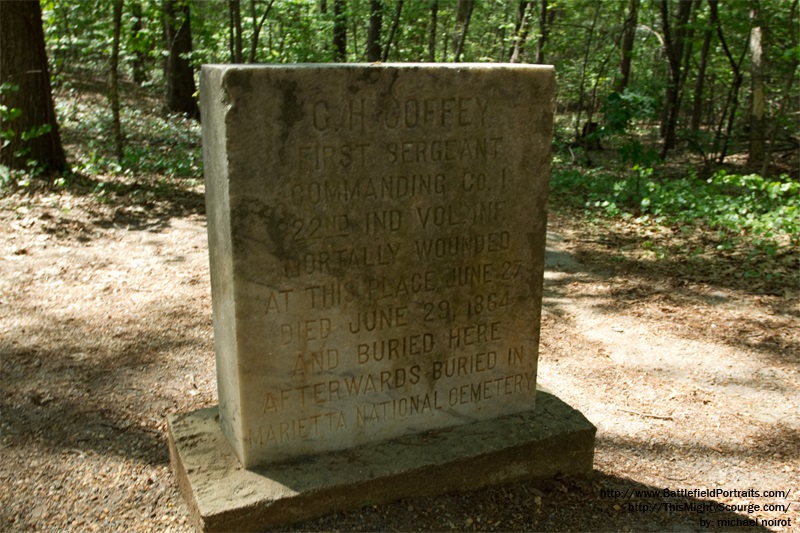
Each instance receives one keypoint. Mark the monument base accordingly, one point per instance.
(222, 496)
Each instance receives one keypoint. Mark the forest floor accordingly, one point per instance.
(105, 328)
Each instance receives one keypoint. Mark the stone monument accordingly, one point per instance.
(376, 238)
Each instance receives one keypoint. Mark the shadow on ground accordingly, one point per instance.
(598, 502)
(648, 284)
(90, 389)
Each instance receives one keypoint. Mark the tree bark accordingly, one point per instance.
(626, 54)
(113, 96)
(463, 15)
(582, 84)
(521, 28)
(139, 61)
(257, 27)
(393, 31)
(699, 86)
(545, 18)
(733, 95)
(432, 31)
(374, 32)
(757, 155)
(674, 43)
(787, 88)
(235, 20)
(339, 31)
(23, 63)
(179, 73)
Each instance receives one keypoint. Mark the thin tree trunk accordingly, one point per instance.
(795, 62)
(354, 39)
(179, 73)
(582, 84)
(257, 27)
(699, 86)
(114, 81)
(374, 31)
(23, 64)
(432, 32)
(467, 6)
(757, 155)
(545, 18)
(688, 47)
(235, 17)
(674, 45)
(339, 31)
(139, 62)
(733, 95)
(520, 30)
(628, 39)
(393, 31)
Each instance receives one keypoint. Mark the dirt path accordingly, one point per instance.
(105, 327)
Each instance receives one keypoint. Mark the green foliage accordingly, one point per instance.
(744, 209)
(621, 109)
(8, 115)
(155, 144)
(8, 134)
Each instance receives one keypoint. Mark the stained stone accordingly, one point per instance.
(376, 236)
(552, 439)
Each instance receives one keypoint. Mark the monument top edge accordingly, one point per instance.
(360, 66)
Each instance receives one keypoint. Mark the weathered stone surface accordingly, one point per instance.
(223, 496)
(376, 236)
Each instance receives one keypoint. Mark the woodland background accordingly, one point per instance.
(676, 112)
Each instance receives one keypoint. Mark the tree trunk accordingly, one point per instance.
(113, 95)
(23, 63)
(339, 31)
(179, 73)
(374, 32)
(463, 16)
(733, 95)
(697, 105)
(674, 45)
(545, 18)
(688, 47)
(795, 62)
(257, 27)
(628, 39)
(520, 31)
(582, 84)
(235, 19)
(139, 61)
(757, 154)
(432, 32)
(393, 31)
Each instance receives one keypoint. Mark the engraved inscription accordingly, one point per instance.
(386, 188)
(457, 149)
(384, 251)
(376, 320)
(436, 112)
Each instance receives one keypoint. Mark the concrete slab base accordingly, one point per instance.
(222, 496)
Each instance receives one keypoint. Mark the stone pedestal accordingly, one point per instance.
(223, 496)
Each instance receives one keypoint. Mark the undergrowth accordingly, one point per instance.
(745, 218)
